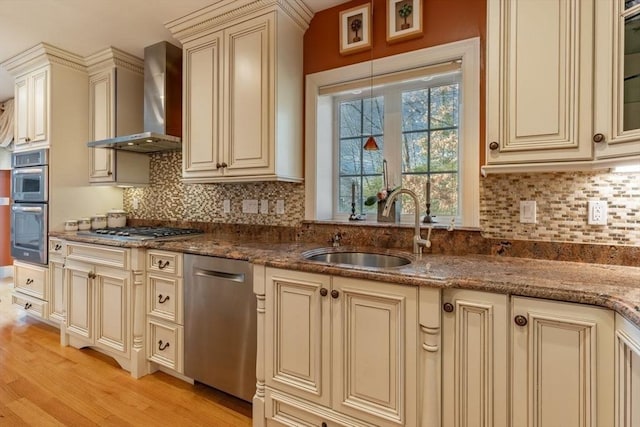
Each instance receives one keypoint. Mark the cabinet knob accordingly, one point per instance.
(520, 320)
(218, 165)
(91, 275)
(335, 294)
(448, 307)
(324, 424)
(162, 346)
(324, 292)
(224, 165)
(598, 137)
(27, 139)
(162, 300)
(493, 146)
(29, 281)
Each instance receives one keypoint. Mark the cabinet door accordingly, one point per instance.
(297, 329)
(375, 345)
(617, 78)
(101, 125)
(112, 289)
(249, 97)
(39, 105)
(627, 359)
(21, 105)
(539, 82)
(202, 95)
(79, 290)
(474, 359)
(56, 296)
(562, 367)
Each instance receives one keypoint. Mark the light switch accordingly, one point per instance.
(528, 211)
(226, 206)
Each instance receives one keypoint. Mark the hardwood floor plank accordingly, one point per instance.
(45, 384)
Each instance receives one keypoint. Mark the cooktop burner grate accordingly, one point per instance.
(140, 233)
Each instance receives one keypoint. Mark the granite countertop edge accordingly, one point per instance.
(613, 287)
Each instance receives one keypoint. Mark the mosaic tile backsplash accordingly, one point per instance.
(167, 198)
(562, 207)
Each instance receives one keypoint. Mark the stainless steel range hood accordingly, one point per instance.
(162, 104)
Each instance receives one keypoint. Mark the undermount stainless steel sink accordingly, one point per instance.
(362, 259)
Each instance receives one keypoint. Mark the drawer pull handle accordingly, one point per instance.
(57, 247)
(520, 320)
(162, 346)
(29, 281)
(162, 300)
(27, 305)
(162, 265)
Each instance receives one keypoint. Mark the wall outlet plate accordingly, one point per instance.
(279, 207)
(264, 207)
(597, 212)
(527, 211)
(226, 206)
(250, 206)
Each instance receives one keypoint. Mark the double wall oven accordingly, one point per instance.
(30, 196)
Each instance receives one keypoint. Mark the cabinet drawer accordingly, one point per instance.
(33, 306)
(57, 248)
(99, 255)
(165, 297)
(169, 263)
(30, 279)
(165, 344)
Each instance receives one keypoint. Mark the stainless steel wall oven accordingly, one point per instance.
(29, 208)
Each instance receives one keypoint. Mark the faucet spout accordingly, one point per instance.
(418, 241)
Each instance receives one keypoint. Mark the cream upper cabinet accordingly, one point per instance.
(617, 78)
(562, 364)
(475, 359)
(341, 351)
(116, 82)
(243, 82)
(627, 371)
(539, 80)
(32, 109)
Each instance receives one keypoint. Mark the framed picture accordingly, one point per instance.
(404, 19)
(355, 29)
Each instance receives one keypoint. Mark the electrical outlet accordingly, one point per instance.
(528, 212)
(280, 207)
(226, 206)
(597, 212)
(264, 207)
(250, 206)
(136, 203)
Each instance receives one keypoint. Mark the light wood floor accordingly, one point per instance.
(43, 384)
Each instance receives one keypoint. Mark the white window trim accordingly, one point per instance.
(319, 157)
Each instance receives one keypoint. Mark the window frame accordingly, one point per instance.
(319, 129)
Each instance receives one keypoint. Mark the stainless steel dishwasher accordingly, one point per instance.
(220, 324)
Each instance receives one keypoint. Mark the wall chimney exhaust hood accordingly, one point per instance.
(162, 104)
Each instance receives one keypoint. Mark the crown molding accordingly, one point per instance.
(40, 55)
(112, 57)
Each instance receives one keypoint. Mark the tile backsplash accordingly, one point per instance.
(561, 200)
(168, 198)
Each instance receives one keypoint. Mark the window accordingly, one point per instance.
(416, 126)
(426, 122)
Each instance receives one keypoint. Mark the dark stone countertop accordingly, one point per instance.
(610, 286)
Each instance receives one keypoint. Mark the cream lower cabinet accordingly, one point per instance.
(475, 342)
(627, 374)
(57, 308)
(562, 364)
(337, 351)
(105, 302)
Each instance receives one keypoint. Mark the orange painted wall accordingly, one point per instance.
(444, 21)
(5, 191)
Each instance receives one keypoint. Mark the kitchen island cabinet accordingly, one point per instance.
(243, 91)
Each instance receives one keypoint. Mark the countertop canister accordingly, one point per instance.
(116, 218)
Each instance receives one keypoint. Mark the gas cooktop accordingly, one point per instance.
(140, 233)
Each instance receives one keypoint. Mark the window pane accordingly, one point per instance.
(415, 111)
(444, 150)
(444, 194)
(372, 160)
(628, 4)
(351, 118)
(350, 156)
(373, 116)
(370, 186)
(345, 191)
(444, 106)
(415, 183)
(415, 152)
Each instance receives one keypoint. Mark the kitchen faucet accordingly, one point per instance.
(418, 241)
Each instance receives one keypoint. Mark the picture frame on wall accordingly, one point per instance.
(404, 20)
(355, 29)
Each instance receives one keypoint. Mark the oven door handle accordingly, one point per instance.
(26, 208)
(23, 171)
